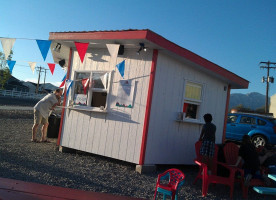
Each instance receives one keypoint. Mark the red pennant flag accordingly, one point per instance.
(52, 67)
(62, 83)
(81, 48)
(85, 84)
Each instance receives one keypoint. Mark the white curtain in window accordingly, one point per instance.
(193, 91)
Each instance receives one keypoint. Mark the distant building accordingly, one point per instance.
(43, 88)
(15, 84)
(30, 85)
(272, 107)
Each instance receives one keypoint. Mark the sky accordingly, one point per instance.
(235, 34)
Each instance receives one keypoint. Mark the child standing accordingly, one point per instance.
(208, 137)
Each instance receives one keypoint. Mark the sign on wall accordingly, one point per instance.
(80, 99)
(125, 94)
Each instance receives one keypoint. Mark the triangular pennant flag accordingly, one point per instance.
(85, 82)
(121, 68)
(81, 48)
(44, 46)
(104, 79)
(113, 49)
(68, 84)
(7, 45)
(63, 81)
(32, 66)
(52, 67)
(11, 64)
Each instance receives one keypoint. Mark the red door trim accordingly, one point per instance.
(226, 113)
(148, 107)
(64, 99)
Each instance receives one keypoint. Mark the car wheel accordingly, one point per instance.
(258, 140)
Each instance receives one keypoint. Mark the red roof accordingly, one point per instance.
(159, 42)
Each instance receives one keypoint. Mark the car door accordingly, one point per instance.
(231, 126)
(244, 126)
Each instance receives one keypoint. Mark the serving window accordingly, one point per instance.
(91, 89)
(192, 100)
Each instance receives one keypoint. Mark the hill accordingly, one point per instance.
(253, 100)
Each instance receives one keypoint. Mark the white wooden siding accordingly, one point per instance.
(117, 134)
(171, 142)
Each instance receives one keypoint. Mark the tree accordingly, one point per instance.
(240, 108)
(261, 109)
(4, 70)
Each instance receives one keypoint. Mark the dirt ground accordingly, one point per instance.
(21, 159)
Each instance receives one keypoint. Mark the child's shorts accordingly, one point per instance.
(207, 149)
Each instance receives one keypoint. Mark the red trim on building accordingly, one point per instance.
(148, 107)
(226, 113)
(99, 35)
(64, 99)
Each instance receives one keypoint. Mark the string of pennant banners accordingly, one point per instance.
(44, 46)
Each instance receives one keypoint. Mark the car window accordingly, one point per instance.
(232, 119)
(247, 120)
(272, 120)
(261, 122)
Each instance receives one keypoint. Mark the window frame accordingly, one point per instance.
(193, 101)
(90, 90)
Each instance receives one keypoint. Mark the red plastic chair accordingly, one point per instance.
(199, 158)
(170, 188)
(213, 178)
(231, 154)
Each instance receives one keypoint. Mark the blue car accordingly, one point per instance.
(261, 128)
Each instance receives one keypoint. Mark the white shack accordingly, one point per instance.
(154, 114)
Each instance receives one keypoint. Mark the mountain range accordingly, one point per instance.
(253, 100)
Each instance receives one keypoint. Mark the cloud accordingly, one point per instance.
(31, 80)
(56, 83)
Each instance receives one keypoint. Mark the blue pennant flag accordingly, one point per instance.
(11, 64)
(44, 46)
(121, 68)
(64, 77)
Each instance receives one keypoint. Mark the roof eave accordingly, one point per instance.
(236, 81)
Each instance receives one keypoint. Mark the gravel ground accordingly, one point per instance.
(41, 163)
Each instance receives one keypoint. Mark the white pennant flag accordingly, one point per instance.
(113, 50)
(104, 80)
(32, 65)
(68, 84)
(7, 45)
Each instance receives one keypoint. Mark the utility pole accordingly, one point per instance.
(45, 70)
(37, 86)
(267, 79)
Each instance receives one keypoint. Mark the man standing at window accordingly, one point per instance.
(208, 137)
(41, 113)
